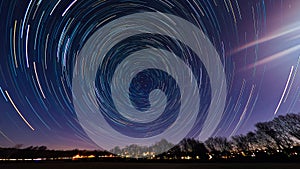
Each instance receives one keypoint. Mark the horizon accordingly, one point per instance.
(273, 141)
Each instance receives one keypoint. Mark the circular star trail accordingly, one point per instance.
(186, 105)
(93, 74)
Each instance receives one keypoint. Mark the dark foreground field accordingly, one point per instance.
(110, 165)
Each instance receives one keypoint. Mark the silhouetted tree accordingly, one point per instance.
(241, 142)
(290, 123)
(18, 146)
(218, 144)
(175, 152)
(138, 151)
(268, 130)
(42, 148)
(264, 141)
(193, 148)
(116, 150)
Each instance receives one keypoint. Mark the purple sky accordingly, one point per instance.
(258, 43)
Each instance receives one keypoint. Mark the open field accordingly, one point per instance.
(118, 165)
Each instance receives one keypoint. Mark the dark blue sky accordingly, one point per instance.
(46, 45)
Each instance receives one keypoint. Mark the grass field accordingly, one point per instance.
(110, 165)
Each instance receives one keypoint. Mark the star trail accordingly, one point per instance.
(93, 74)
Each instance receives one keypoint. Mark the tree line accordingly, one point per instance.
(137, 151)
(276, 139)
(283, 132)
(281, 136)
(42, 152)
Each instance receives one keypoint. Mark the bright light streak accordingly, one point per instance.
(20, 114)
(46, 47)
(275, 56)
(38, 81)
(54, 7)
(3, 94)
(5, 136)
(285, 88)
(232, 11)
(68, 8)
(37, 30)
(267, 38)
(244, 112)
(14, 44)
(25, 18)
(293, 79)
(240, 96)
(27, 62)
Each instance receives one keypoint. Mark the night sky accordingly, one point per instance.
(93, 74)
